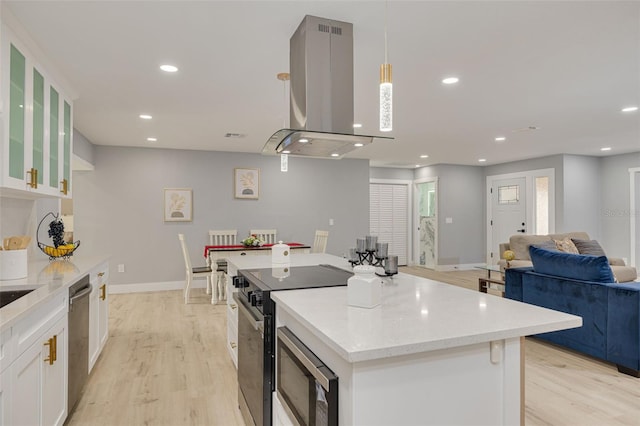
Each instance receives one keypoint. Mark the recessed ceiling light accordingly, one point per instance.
(286, 152)
(234, 135)
(358, 145)
(482, 160)
(500, 138)
(357, 125)
(418, 165)
(606, 148)
(145, 116)
(424, 156)
(303, 140)
(335, 155)
(450, 80)
(630, 109)
(168, 68)
(152, 139)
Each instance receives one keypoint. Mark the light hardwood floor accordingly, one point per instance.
(166, 364)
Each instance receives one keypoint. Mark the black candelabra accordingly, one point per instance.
(369, 251)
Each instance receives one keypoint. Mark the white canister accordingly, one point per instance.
(364, 289)
(280, 271)
(13, 264)
(280, 253)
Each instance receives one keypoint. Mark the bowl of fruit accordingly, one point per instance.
(60, 249)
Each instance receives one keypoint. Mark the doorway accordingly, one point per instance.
(427, 221)
(521, 202)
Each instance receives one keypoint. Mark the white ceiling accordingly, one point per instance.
(565, 67)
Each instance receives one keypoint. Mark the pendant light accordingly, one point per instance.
(386, 87)
(284, 77)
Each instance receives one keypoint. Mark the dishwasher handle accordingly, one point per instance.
(81, 294)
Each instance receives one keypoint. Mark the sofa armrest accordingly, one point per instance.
(623, 325)
(616, 261)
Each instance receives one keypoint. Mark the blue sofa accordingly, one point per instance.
(610, 312)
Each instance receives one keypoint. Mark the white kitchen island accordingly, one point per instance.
(431, 353)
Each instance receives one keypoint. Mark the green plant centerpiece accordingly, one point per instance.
(252, 241)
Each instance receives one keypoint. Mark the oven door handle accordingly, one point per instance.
(256, 323)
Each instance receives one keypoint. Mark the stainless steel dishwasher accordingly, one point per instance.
(78, 340)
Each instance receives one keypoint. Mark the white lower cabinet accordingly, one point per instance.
(5, 397)
(38, 379)
(98, 313)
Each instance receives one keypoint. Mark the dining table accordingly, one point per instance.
(216, 255)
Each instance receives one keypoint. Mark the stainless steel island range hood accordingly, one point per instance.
(321, 104)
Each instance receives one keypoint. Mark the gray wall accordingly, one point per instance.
(390, 173)
(615, 209)
(461, 197)
(82, 147)
(582, 195)
(118, 207)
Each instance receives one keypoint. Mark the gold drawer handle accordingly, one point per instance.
(100, 274)
(103, 291)
(233, 345)
(53, 349)
(233, 306)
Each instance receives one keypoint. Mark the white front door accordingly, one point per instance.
(508, 207)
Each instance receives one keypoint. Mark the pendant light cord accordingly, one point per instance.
(284, 104)
(386, 6)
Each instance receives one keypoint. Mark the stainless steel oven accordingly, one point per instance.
(307, 388)
(254, 362)
(257, 333)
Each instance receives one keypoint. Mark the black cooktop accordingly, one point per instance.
(298, 277)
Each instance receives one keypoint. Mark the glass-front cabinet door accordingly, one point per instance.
(37, 124)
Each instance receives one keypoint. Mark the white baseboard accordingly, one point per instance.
(146, 287)
(459, 267)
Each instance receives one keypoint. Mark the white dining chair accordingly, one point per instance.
(193, 273)
(266, 235)
(320, 242)
(226, 237)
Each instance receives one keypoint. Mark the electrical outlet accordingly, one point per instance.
(121, 267)
(448, 220)
(330, 222)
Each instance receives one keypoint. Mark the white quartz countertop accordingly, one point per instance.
(416, 315)
(296, 259)
(48, 279)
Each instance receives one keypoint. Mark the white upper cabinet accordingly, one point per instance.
(37, 121)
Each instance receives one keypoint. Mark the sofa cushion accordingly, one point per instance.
(566, 245)
(520, 243)
(591, 247)
(574, 266)
(624, 274)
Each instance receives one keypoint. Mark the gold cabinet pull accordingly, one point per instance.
(100, 274)
(51, 353)
(233, 344)
(65, 186)
(55, 347)
(33, 178)
(233, 305)
(103, 291)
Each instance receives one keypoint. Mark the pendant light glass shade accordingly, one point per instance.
(386, 98)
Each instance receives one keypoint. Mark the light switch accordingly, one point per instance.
(121, 267)
(448, 220)
(330, 222)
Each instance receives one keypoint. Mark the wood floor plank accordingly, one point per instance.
(166, 364)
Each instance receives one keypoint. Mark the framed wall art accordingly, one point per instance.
(246, 183)
(178, 205)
